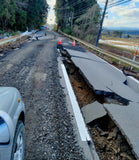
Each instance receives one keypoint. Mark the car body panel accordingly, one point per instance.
(11, 107)
(5, 152)
(9, 100)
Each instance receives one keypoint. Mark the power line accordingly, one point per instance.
(126, 1)
(113, 4)
(76, 3)
(86, 7)
(82, 11)
(117, 2)
(71, 5)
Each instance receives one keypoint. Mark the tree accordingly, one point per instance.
(7, 13)
(86, 27)
(18, 14)
(117, 34)
(81, 18)
(37, 13)
(21, 20)
(66, 8)
(21, 15)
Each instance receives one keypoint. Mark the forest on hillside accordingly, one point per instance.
(80, 18)
(22, 14)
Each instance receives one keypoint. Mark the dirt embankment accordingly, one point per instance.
(7, 47)
(118, 51)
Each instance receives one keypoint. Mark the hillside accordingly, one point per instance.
(80, 18)
(20, 14)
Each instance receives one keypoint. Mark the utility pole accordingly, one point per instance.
(101, 24)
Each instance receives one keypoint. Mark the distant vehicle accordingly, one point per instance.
(12, 124)
(44, 28)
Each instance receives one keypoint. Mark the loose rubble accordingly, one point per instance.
(109, 142)
(49, 131)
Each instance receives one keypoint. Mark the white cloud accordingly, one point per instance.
(131, 13)
(123, 16)
(115, 22)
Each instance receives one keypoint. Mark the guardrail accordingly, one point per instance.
(6, 40)
(13, 38)
(109, 54)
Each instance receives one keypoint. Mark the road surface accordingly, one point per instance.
(33, 69)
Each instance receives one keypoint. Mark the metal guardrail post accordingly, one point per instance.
(135, 54)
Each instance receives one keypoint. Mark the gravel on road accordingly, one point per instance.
(33, 69)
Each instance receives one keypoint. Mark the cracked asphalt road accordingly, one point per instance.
(33, 70)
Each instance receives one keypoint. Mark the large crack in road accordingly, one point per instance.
(109, 141)
(33, 69)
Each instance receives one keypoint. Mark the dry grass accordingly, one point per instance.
(121, 39)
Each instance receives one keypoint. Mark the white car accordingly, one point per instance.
(12, 124)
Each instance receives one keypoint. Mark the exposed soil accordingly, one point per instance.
(118, 51)
(110, 144)
(4, 48)
(84, 94)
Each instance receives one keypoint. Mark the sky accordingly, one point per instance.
(51, 13)
(125, 15)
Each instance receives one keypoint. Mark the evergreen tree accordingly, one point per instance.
(12, 10)
(7, 13)
(21, 20)
(20, 14)
(37, 13)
